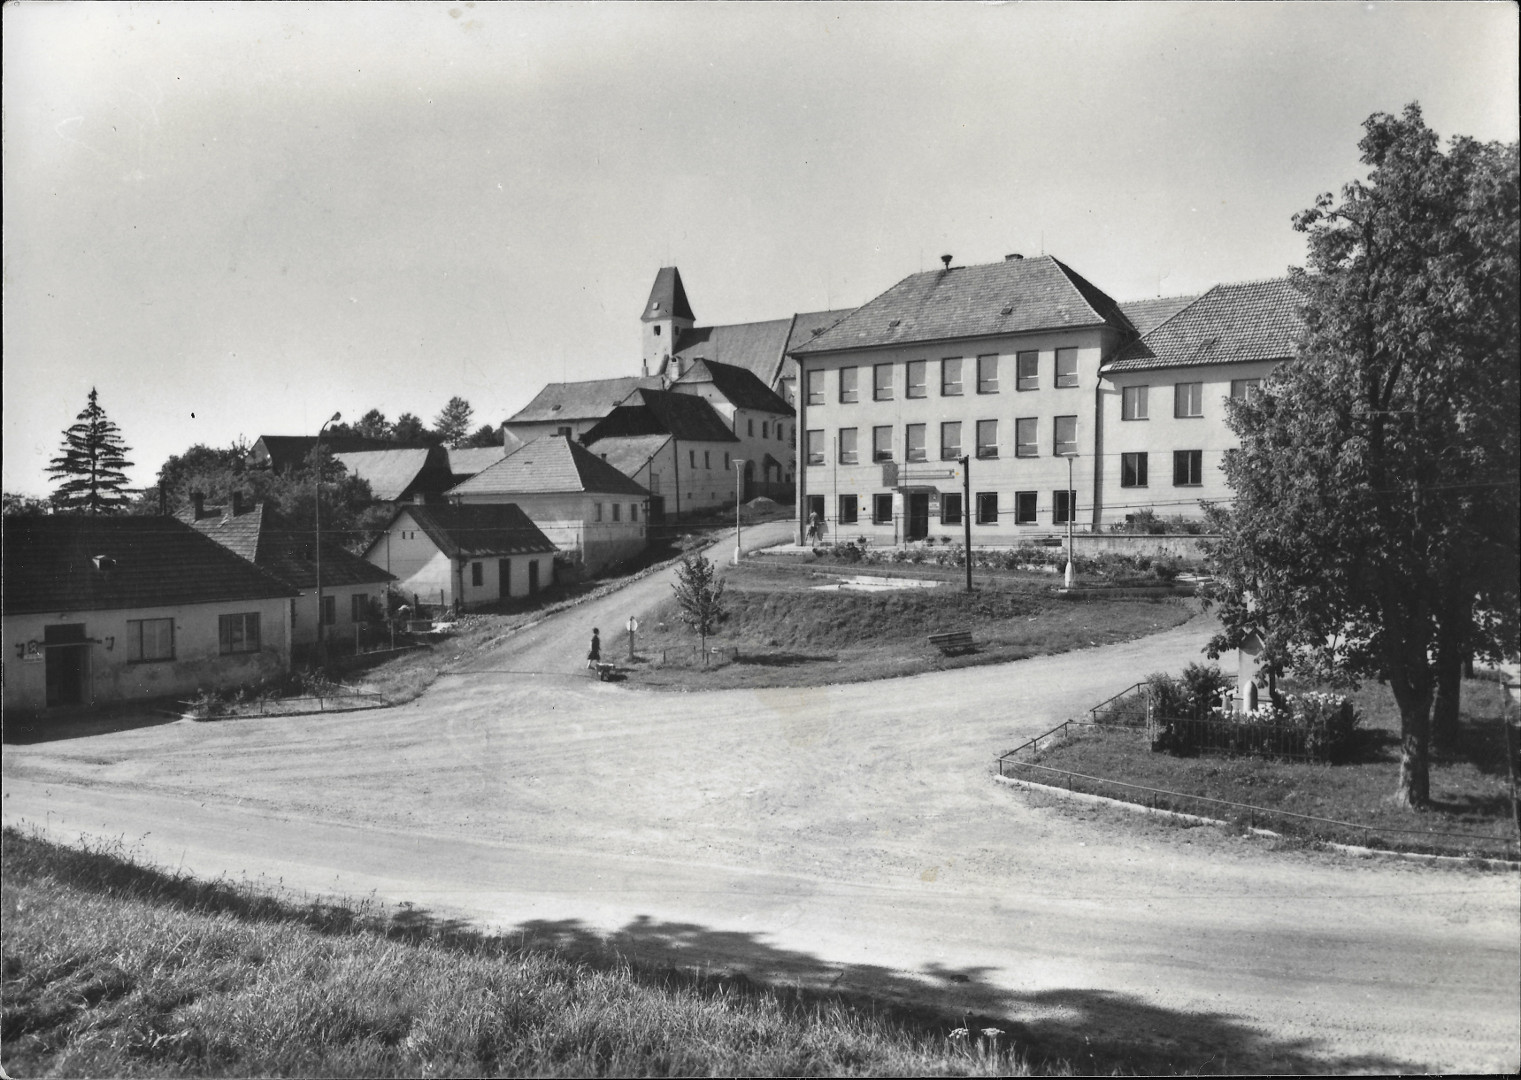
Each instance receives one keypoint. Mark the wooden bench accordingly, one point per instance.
(953, 642)
(605, 671)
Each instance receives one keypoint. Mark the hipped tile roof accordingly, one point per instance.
(1013, 296)
(590, 399)
(629, 453)
(465, 463)
(551, 465)
(67, 563)
(282, 452)
(478, 530)
(285, 549)
(737, 384)
(1146, 315)
(663, 412)
(396, 474)
(1250, 320)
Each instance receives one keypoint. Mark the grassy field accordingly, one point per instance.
(114, 969)
(782, 630)
(1470, 784)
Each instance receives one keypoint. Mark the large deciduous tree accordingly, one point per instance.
(90, 467)
(1373, 531)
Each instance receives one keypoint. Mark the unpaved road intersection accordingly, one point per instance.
(848, 837)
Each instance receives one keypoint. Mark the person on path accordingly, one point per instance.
(594, 657)
(813, 527)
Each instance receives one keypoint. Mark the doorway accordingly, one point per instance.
(504, 578)
(533, 577)
(66, 655)
(816, 515)
(917, 527)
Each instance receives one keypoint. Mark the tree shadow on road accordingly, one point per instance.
(1087, 1030)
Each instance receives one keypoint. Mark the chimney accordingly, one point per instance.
(237, 503)
(198, 500)
(946, 259)
(1013, 258)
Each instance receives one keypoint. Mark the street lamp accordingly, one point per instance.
(1071, 513)
(317, 518)
(739, 494)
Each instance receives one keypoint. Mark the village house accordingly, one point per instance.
(585, 506)
(571, 408)
(1011, 365)
(353, 590)
(282, 453)
(690, 471)
(104, 608)
(462, 557)
(762, 424)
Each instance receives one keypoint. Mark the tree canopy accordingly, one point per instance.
(90, 468)
(1374, 524)
(453, 422)
(699, 596)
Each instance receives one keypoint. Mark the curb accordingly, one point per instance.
(1195, 819)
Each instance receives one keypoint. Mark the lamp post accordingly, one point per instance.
(1071, 513)
(317, 550)
(739, 494)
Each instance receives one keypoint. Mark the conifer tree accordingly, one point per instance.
(91, 465)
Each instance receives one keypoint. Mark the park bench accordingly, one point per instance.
(605, 671)
(952, 641)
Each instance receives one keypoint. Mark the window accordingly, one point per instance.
(913, 440)
(1027, 370)
(563, 430)
(1025, 433)
(1241, 389)
(1063, 507)
(239, 633)
(815, 383)
(359, 607)
(1188, 399)
(987, 508)
(750, 427)
(692, 458)
(1187, 468)
(882, 444)
(882, 509)
(987, 438)
(1066, 367)
(633, 511)
(849, 394)
(1066, 436)
(882, 382)
(987, 374)
(1024, 507)
(329, 610)
(617, 510)
(950, 440)
(918, 377)
(707, 459)
(816, 446)
(848, 446)
(728, 464)
(950, 377)
(597, 510)
(1132, 470)
(150, 639)
(848, 507)
(766, 429)
(1133, 402)
(950, 509)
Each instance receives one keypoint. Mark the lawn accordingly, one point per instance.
(782, 630)
(115, 969)
(1470, 784)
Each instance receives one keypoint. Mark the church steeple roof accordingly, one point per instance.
(668, 298)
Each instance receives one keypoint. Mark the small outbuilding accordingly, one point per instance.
(462, 557)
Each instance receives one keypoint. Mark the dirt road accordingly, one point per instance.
(846, 837)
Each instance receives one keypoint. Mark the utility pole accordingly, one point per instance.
(1071, 513)
(739, 494)
(317, 521)
(966, 514)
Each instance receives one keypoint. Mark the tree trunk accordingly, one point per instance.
(1449, 689)
(1414, 790)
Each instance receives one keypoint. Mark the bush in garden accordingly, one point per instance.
(1204, 683)
(1329, 722)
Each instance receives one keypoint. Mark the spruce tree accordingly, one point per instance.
(91, 464)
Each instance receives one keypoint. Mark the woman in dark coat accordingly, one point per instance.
(595, 655)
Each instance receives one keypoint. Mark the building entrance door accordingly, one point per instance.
(533, 577)
(66, 658)
(504, 578)
(816, 515)
(917, 527)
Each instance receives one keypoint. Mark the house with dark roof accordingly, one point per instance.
(1162, 398)
(761, 422)
(102, 608)
(570, 408)
(281, 453)
(353, 590)
(997, 363)
(585, 506)
(463, 556)
(401, 473)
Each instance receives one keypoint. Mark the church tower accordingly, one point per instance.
(666, 315)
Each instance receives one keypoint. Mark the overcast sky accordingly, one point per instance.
(236, 219)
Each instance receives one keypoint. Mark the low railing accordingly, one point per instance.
(1093, 716)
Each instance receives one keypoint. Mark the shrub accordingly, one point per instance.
(1204, 683)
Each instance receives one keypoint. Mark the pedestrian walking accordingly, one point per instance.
(813, 527)
(594, 656)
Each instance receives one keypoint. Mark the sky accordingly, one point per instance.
(237, 219)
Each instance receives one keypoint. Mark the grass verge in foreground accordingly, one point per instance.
(788, 632)
(1470, 785)
(113, 969)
